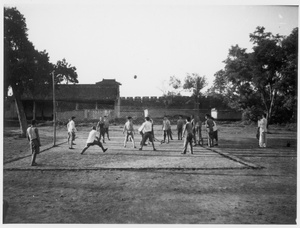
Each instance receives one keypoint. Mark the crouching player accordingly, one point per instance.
(93, 140)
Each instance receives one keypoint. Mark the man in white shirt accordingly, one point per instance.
(147, 128)
(71, 132)
(34, 141)
(215, 133)
(263, 131)
(128, 129)
(92, 140)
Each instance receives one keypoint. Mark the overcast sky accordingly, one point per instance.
(151, 39)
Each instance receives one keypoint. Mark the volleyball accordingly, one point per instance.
(134, 76)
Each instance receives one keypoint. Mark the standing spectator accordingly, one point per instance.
(147, 128)
(34, 141)
(71, 132)
(180, 123)
(215, 133)
(209, 128)
(258, 127)
(198, 131)
(188, 129)
(166, 129)
(263, 131)
(106, 127)
(93, 140)
(193, 122)
(100, 127)
(69, 136)
(128, 128)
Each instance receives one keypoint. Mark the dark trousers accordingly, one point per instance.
(188, 141)
(106, 130)
(101, 133)
(167, 134)
(147, 135)
(96, 142)
(179, 132)
(35, 149)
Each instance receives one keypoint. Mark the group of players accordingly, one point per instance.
(189, 129)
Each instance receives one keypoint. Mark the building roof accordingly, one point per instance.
(86, 92)
(106, 90)
(108, 82)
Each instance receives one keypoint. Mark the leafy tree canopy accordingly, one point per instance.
(260, 78)
(27, 70)
(65, 72)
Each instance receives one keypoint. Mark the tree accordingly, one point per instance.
(266, 66)
(289, 71)
(195, 83)
(64, 72)
(236, 92)
(260, 80)
(18, 55)
(40, 82)
(241, 93)
(26, 70)
(192, 83)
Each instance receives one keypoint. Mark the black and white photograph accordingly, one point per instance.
(149, 112)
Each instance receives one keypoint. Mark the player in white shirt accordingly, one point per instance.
(93, 140)
(128, 128)
(147, 128)
(71, 132)
(34, 141)
(263, 131)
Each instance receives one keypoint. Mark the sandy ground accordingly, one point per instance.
(234, 183)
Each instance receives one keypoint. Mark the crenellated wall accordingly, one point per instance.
(84, 114)
(134, 107)
(176, 102)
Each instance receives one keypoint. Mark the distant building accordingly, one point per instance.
(90, 101)
(104, 94)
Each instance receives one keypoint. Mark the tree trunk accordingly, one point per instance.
(21, 112)
(34, 111)
(270, 111)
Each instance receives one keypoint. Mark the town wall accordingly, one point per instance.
(158, 112)
(84, 114)
(176, 102)
(225, 114)
(134, 107)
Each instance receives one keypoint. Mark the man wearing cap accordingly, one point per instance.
(71, 131)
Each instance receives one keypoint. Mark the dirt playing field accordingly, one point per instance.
(233, 183)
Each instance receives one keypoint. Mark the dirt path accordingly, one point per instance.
(127, 186)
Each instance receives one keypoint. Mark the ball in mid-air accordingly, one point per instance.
(134, 76)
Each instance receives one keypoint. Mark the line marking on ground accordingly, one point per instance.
(236, 159)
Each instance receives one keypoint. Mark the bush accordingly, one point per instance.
(251, 114)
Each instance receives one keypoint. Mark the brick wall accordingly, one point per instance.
(85, 114)
(226, 114)
(93, 114)
(134, 106)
